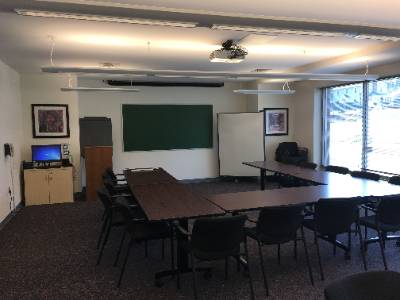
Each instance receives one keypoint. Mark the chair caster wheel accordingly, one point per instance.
(207, 275)
(158, 283)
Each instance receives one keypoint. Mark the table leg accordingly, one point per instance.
(262, 179)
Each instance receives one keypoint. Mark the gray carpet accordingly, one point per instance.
(48, 252)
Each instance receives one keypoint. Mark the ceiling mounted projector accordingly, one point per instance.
(229, 53)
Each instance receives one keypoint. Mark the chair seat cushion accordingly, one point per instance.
(203, 255)
(371, 222)
(382, 285)
(142, 231)
(267, 240)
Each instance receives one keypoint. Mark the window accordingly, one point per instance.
(362, 125)
(343, 125)
(382, 151)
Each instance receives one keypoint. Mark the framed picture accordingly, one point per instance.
(276, 121)
(50, 120)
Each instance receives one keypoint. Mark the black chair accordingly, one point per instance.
(290, 153)
(369, 202)
(139, 229)
(113, 176)
(382, 285)
(276, 226)
(115, 182)
(117, 190)
(331, 218)
(111, 218)
(337, 169)
(308, 165)
(216, 238)
(394, 180)
(386, 219)
(365, 175)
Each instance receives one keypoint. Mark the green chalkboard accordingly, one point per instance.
(166, 127)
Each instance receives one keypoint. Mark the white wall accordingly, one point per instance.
(277, 101)
(10, 132)
(45, 89)
(183, 164)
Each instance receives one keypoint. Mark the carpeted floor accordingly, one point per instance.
(48, 252)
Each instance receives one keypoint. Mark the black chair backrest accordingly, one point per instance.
(394, 180)
(110, 173)
(337, 169)
(388, 211)
(218, 234)
(307, 165)
(280, 223)
(335, 215)
(109, 184)
(104, 197)
(365, 175)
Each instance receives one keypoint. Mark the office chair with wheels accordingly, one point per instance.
(276, 226)
(337, 169)
(331, 218)
(216, 238)
(386, 219)
(290, 153)
(382, 285)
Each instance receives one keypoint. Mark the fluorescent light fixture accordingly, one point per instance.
(195, 73)
(274, 31)
(376, 37)
(265, 92)
(100, 18)
(92, 89)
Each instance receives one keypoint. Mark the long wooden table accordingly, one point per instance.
(163, 198)
(331, 185)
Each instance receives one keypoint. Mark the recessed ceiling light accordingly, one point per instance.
(265, 92)
(376, 37)
(93, 89)
(100, 18)
(265, 30)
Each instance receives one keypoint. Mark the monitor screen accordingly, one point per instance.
(46, 153)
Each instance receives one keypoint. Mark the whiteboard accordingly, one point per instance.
(240, 138)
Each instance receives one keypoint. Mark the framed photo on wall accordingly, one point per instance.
(50, 121)
(276, 121)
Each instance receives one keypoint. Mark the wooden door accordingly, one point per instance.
(60, 185)
(36, 187)
(97, 160)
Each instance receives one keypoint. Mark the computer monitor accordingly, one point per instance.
(46, 153)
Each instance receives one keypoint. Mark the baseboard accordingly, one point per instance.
(10, 216)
